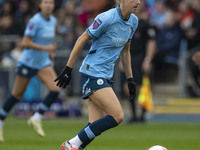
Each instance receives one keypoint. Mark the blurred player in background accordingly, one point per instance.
(35, 60)
(111, 33)
(142, 52)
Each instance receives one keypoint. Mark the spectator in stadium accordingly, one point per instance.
(142, 53)
(159, 14)
(193, 36)
(168, 40)
(1, 1)
(185, 14)
(172, 4)
(10, 58)
(22, 13)
(168, 43)
(70, 7)
(67, 25)
(150, 3)
(193, 32)
(8, 26)
(35, 60)
(7, 8)
(91, 8)
(111, 32)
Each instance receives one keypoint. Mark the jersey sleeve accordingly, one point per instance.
(31, 28)
(131, 36)
(99, 26)
(151, 33)
(54, 20)
(134, 27)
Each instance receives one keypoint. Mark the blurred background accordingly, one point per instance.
(174, 78)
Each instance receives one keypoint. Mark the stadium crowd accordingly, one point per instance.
(175, 21)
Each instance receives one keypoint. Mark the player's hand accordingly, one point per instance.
(52, 56)
(64, 77)
(51, 48)
(132, 89)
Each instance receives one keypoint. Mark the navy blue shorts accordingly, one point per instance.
(26, 71)
(91, 84)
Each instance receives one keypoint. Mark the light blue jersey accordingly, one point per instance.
(110, 33)
(42, 32)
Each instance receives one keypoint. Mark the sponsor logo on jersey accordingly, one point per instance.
(100, 82)
(97, 23)
(119, 41)
(48, 35)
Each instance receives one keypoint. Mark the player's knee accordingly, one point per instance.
(119, 117)
(17, 95)
(54, 88)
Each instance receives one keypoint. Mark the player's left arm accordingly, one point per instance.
(125, 57)
(126, 62)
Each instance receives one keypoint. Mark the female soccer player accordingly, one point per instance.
(111, 33)
(35, 60)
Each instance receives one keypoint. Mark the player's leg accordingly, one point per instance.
(94, 113)
(19, 88)
(47, 76)
(106, 101)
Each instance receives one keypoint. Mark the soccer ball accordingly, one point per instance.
(157, 147)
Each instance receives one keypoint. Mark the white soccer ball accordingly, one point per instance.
(157, 147)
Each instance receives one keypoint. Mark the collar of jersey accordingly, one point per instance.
(120, 14)
(44, 17)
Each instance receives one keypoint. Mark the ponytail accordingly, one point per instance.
(117, 2)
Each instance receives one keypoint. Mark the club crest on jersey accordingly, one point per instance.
(100, 82)
(24, 71)
(97, 23)
(31, 27)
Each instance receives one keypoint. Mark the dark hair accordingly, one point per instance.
(110, 4)
(36, 6)
(9, 2)
(117, 2)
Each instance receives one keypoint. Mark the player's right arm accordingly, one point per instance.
(77, 48)
(27, 43)
(93, 32)
(65, 76)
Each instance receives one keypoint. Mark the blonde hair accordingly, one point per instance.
(117, 2)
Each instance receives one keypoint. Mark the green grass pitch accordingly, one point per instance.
(174, 136)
